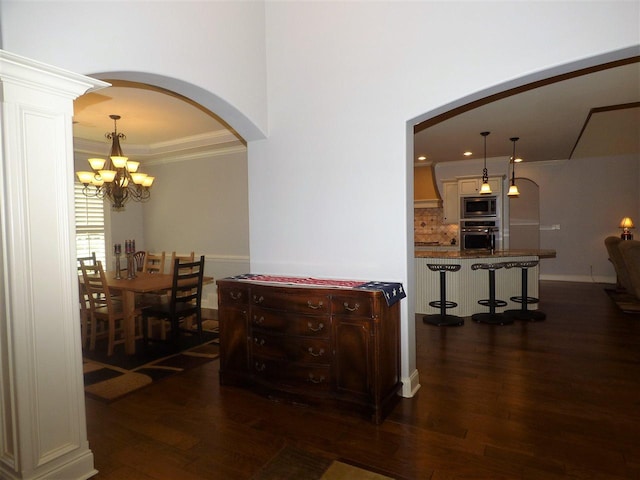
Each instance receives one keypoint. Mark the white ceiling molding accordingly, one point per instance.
(182, 149)
(185, 157)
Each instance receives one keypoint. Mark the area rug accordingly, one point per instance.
(108, 378)
(297, 464)
(625, 301)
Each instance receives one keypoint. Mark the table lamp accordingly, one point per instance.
(626, 224)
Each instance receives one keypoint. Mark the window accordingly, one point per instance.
(90, 229)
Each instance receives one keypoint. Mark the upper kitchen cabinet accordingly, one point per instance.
(425, 193)
(471, 186)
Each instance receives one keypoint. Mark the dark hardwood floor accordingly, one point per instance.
(548, 400)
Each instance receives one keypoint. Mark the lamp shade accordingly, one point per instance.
(485, 188)
(626, 222)
(97, 163)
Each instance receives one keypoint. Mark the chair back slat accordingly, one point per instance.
(96, 287)
(186, 290)
(91, 260)
(154, 262)
(182, 258)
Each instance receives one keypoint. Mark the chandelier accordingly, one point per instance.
(117, 178)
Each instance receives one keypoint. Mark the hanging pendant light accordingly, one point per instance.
(117, 178)
(513, 188)
(485, 188)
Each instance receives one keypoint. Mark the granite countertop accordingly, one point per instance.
(485, 253)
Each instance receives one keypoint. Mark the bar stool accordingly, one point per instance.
(442, 319)
(491, 316)
(523, 313)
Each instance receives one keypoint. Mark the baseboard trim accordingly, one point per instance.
(410, 385)
(578, 278)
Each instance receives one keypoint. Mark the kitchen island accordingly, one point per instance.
(467, 286)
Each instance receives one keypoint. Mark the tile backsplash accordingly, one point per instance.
(429, 227)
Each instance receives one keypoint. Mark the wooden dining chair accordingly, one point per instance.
(103, 307)
(85, 314)
(154, 262)
(139, 259)
(183, 302)
(182, 258)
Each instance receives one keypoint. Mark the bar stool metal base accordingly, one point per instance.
(443, 320)
(525, 315)
(491, 318)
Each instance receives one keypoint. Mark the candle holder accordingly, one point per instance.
(117, 276)
(131, 266)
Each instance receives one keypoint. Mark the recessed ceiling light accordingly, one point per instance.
(467, 154)
(422, 157)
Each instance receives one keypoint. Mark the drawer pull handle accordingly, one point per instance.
(319, 353)
(257, 299)
(257, 320)
(260, 367)
(313, 379)
(351, 309)
(315, 307)
(258, 341)
(235, 295)
(316, 329)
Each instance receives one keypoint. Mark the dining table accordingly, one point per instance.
(143, 282)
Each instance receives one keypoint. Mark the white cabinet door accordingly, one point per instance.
(469, 186)
(451, 207)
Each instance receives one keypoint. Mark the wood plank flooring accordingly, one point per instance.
(558, 399)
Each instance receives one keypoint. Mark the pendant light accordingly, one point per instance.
(513, 188)
(485, 188)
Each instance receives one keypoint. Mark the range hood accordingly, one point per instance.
(425, 191)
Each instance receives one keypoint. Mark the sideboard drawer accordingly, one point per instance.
(352, 305)
(233, 295)
(300, 301)
(302, 350)
(291, 323)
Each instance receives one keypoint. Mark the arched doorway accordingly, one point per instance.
(524, 216)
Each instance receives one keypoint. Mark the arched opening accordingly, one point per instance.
(533, 83)
(199, 200)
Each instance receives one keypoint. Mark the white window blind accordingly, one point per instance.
(90, 231)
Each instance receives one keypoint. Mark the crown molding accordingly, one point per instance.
(193, 147)
(186, 157)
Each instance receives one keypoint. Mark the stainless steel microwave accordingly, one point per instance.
(473, 207)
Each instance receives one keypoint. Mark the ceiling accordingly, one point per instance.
(573, 118)
(584, 116)
(157, 123)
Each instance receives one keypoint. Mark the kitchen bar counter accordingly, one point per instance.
(483, 254)
(467, 286)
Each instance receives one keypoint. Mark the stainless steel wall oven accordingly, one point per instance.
(480, 234)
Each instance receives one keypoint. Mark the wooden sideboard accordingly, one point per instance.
(330, 347)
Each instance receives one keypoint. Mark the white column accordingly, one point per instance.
(43, 431)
